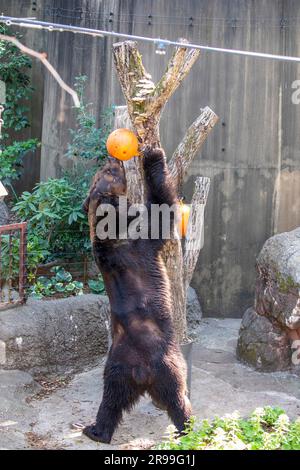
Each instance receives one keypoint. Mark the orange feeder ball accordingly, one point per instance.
(184, 215)
(122, 144)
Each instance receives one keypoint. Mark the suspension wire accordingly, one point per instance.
(43, 25)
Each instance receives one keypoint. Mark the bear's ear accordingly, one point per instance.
(85, 205)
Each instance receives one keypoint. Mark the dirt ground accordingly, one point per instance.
(46, 415)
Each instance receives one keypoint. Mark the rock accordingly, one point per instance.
(268, 331)
(54, 335)
(278, 282)
(193, 307)
(263, 344)
(4, 214)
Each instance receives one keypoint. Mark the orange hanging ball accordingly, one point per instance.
(122, 144)
(184, 215)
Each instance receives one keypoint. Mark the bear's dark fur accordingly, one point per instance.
(144, 356)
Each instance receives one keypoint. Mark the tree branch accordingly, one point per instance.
(42, 57)
(191, 143)
(195, 235)
(136, 83)
(178, 67)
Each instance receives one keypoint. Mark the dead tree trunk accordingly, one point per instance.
(145, 102)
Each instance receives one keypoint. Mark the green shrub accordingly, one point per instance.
(267, 429)
(37, 252)
(14, 72)
(57, 226)
(61, 283)
(88, 141)
(11, 159)
(53, 212)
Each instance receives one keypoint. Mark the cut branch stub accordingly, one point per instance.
(195, 238)
(178, 67)
(191, 144)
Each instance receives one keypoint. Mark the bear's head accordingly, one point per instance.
(108, 184)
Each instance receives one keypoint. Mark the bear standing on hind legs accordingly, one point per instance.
(144, 356)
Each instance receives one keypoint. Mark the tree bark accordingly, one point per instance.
(145, 102)
(195, 234)
(133, 167)
(190, 144)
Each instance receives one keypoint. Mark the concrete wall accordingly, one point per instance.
(252, 155)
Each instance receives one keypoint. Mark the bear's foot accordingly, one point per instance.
(99, 436)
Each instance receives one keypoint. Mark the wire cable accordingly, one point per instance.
(43, 25)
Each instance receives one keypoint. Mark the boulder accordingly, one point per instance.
(263, 344)
(49, 335)
(277, 293)
(269, 330)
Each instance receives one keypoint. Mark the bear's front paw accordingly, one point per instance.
(153, 153)
(96, 435)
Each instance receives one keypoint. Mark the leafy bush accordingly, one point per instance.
(37, 252)
(11, 159)
(88, 141)
(14, 68)
(61, 283)
(53, 212)
(57, 226)
(267, 429)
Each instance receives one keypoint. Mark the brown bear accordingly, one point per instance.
(144, 356)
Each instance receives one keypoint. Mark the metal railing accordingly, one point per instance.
(13, 243)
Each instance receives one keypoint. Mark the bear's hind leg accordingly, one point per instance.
(120, 394)
(170, 392)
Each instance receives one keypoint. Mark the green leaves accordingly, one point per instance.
(271, 415)
(88, 141)
(266, 429)
(53, 212)
(61, 275)
(14, 68)
(61, 283)
(11, 159)
(37, 252)
(97, 286)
